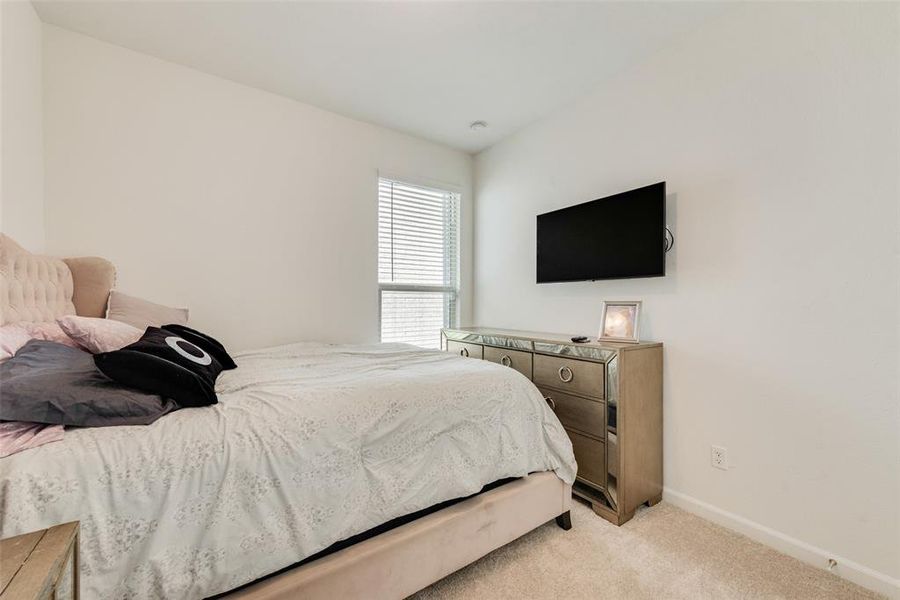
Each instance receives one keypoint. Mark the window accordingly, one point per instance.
(418, 258)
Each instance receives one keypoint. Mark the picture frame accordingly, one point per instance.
(620, 321)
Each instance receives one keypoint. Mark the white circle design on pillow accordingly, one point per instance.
(173, 341)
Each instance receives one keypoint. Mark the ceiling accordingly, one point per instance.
(425, 68)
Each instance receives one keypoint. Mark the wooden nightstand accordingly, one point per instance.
(40, 565)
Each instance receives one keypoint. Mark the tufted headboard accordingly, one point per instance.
(38, 288)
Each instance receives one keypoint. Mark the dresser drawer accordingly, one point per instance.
(591, 457)
(575, 376)
(464, 349)
(520, 361)
(578, 413)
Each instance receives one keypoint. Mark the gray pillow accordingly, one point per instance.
(47, 382)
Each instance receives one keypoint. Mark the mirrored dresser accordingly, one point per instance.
(608, 396)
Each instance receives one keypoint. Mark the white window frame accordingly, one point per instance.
(452, 318)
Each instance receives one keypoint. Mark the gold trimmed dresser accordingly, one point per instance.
(607, 395)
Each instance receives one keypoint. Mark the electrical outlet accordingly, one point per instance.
(719, 457)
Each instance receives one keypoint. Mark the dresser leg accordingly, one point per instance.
(565, 520)
(654, 501)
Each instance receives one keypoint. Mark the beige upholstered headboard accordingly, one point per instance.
(38, 288)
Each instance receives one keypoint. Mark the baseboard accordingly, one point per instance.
(849, 570)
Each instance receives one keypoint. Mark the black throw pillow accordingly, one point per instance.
(208, 343)
(169, 364)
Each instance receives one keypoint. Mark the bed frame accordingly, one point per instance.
(393, 564)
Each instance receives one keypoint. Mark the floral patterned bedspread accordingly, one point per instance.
(309, 444)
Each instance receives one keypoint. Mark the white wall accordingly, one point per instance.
(777, 129)
(21, 141)
(257, 212)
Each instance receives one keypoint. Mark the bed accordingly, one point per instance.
(310, 445)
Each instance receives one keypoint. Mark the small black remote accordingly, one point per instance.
(580, 339)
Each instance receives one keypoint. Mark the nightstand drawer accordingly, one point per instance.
(464, 349)
(520, 361)
(591, 457)
(575, 376)
(588, 416)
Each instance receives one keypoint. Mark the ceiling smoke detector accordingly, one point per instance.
(477, 125)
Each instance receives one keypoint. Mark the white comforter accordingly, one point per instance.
(309, 444)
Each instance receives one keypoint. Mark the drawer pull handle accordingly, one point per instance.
(551, 402)
(566, 375)
(505, 360)
(464, 352)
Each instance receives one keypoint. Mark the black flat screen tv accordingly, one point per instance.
(616, 237)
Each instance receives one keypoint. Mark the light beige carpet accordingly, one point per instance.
(663, 552)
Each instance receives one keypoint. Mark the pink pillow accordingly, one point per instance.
(12, 337)
(50, 332)
(99, 335)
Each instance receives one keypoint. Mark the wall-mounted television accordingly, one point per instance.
(616, 237)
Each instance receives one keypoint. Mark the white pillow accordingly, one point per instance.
(99, 335)
(141, 313)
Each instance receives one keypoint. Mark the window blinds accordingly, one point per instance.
(418, 257)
